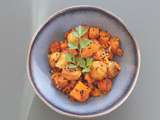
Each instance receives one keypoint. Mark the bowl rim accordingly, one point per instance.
(120, 102)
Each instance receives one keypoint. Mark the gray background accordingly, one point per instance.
(20, 18)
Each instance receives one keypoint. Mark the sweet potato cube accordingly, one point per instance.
(94, 32)
(80, 92)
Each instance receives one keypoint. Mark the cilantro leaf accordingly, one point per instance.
(84, 43)
(73, 59)
(68, 57)
(81, 62)
(72, 46)
(85, 70)
(72, 66)
(75, 34)
(80, 30)
(89, 61)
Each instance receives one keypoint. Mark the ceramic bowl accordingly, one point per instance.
(54, 28)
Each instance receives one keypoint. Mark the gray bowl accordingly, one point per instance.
(54, 28)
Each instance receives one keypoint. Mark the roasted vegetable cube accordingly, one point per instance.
(52, 58)
(115, 46)
(90, 49)
(70, 74)
(61, 63)
(94, 32)
(105, 85)
(59, 81)
(72, 39)
(113, 68)
(98, 70)
(95, 92)
(80, 92)
(54, 47)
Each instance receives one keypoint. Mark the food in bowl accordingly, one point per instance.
(82, 64)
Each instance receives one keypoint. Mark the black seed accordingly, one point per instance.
(81, 92)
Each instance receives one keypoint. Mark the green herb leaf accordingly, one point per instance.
(85, 70)
(68, 57)
(75, 34)
(72, 66)
(73, 59)
(72, 46)
(80, 30)
(81, 62)
(89, 62)
(84, 43)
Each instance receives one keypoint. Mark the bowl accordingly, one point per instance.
(54, 28)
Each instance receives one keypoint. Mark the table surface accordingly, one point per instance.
(20, 18)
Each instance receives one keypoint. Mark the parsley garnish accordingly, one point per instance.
(79, 31)
(84, 43)
(69, 57)
(72, 46)
(85, 70)
(71, 66)
(83, 63)
(89, 62)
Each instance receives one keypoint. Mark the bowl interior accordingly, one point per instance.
(54, 30)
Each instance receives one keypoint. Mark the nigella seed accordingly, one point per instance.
(81, 92)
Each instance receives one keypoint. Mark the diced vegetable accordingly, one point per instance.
(59, 80)
(94, 32)
(101, 55)
(63, 46)
(80, 92)
(88, 78)
(54, 47)
(70, 74)
(105, 85)
(52, 58)
(115, 46)
(72, 39)
(89, 50)
(61, 63)
(95, 92)
(98, 70)
(113, 68)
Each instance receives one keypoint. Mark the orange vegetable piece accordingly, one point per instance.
(88, 78)
(104, 42)
(71, 75)
(54, 47)
(89, 50)
(104, 39)
(95, 92)
(103, 34)
(59, 81)
(115, 46)
(105, 85)
(94, 32)
(71, 51)
(80, 92)
(63, 45)
(109, 53)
